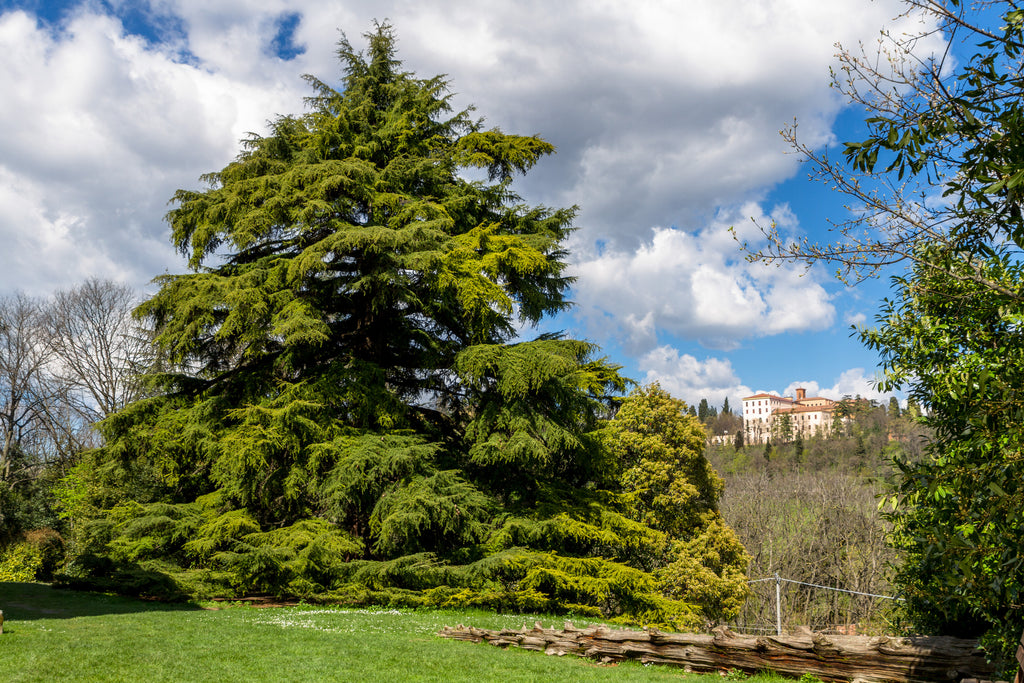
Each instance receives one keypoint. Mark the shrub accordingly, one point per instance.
(34, 557)
(21, 561)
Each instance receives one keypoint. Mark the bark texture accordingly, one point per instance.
(864, 659)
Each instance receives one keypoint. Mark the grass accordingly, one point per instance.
(52, 634)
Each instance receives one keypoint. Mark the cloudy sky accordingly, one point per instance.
(666, 116)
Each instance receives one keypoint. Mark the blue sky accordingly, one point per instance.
(665, 116)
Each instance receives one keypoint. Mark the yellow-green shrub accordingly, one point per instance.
(21, 561)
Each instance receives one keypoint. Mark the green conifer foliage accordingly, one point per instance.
(344, 412)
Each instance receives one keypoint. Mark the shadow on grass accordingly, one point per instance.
(30, 601)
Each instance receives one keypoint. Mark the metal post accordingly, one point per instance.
(778, 604)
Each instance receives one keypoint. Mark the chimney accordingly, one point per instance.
(801, 394)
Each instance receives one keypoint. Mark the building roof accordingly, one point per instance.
(788, 399)
(781, 398)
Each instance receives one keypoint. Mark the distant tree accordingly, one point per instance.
(861, 450)
(841, 414)
(913, 408)
(726, 410)
(894, 408)
(724, 424)
(782, 427)
(737, 441)
(30, 401)
(101, 350)
(704, 413)
(26, 392)
(798, 446)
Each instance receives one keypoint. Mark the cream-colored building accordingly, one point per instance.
(763, 416)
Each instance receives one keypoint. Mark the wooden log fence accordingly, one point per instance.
(864, 659)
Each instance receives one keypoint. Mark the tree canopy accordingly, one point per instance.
(344, 409)
(936, 187)
(669, 485)
(955, 344)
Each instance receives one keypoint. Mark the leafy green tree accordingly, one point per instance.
(894, 408)
(723, 425)
(782, 427)
(343, 411)
(726, 410)
(959, 514)
(913, 408)
(670, 486)
(951, 333)
(705, 411)
(842, 414)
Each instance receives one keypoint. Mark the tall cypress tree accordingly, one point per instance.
(344, 409)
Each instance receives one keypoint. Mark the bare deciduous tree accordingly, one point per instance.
(24, 390)
(64, 365)
(820, 528)
(99, 349)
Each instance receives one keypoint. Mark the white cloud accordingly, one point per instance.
(232, 37)
(100, 130)
(852, 318)
(852, 382)
(715, 379)
(695, 285)
(690, 379)
(663, 112)
(30, 231)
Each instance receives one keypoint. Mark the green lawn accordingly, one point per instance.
(54, 635)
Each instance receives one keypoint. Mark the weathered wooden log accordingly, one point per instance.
(865, 659)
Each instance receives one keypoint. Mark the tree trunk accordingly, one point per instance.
(865, 659)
